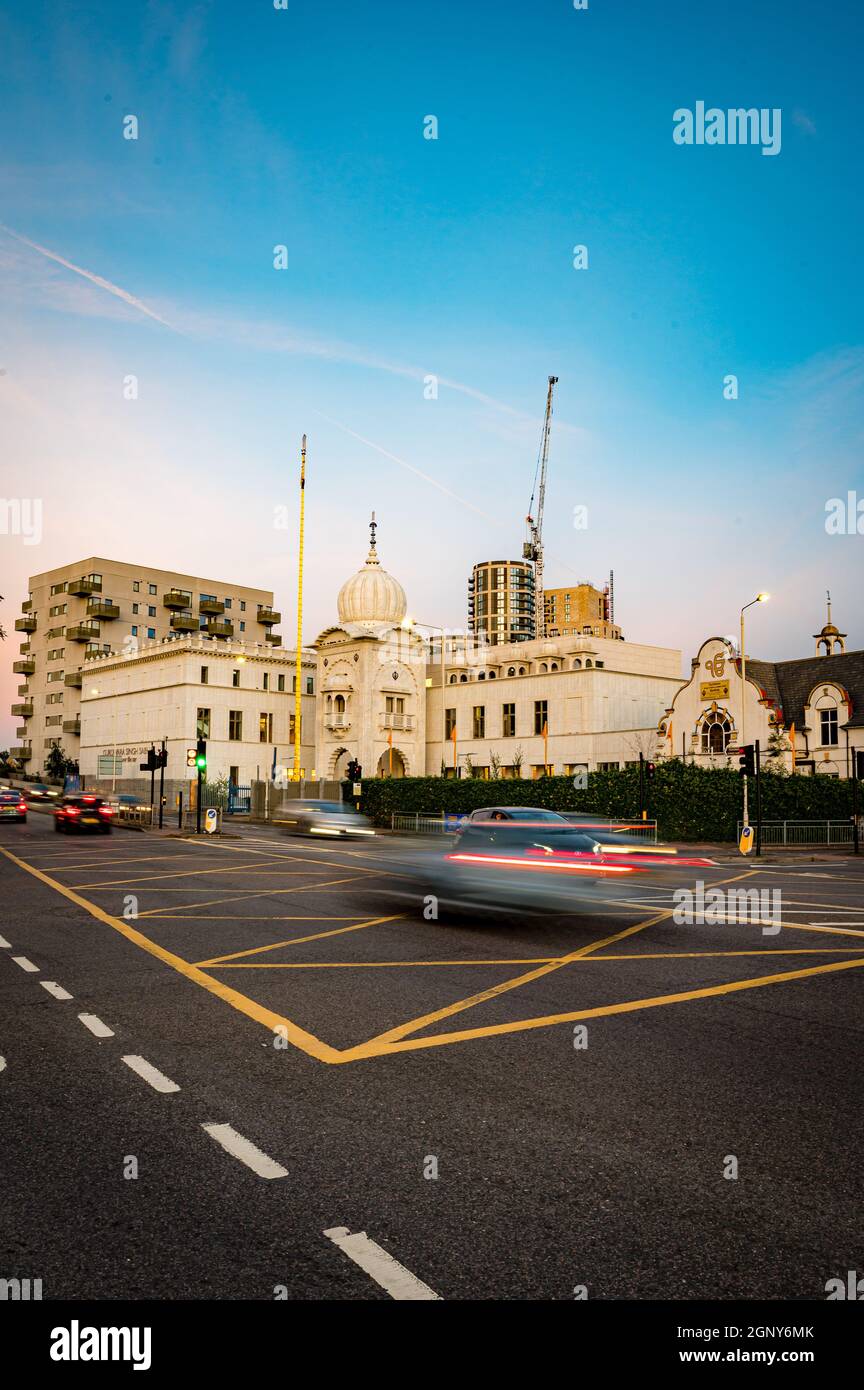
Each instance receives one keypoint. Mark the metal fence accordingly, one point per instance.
(805, 832)
(422, 825)
(638, 829)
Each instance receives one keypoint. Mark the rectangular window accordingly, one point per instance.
(449, 722)
(56, 654)
(291, 729)
(242, 605)
(151, 610)
(830, 731)
(58, 588)
(151, 588)
(607, 767)
(205, 675)
(54, 699)
(242, 627)
(280, 682)
(479, 721)
(540, 715)
(508, 721)
(235, 725)
(135, 630)
(136, 586)
(227, 603)
(310, 685)
(55, 632)
(57, 611)
(151, 632)
(235, 679)
(202, 724)
(266, 680)
(265, 728)
(53, 719)
(54, 676)
(135, 608)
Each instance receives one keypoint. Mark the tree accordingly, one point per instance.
(518, 758)
(57, 764)
(495, 766)
(775, 755)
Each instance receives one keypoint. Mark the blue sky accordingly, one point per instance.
(409, 256)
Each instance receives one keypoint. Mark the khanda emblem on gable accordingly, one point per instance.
(716, 665)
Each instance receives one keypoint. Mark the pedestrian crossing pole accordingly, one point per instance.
(298, 665)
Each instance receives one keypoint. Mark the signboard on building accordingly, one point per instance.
(714, 690)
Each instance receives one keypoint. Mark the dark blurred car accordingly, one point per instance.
(40, 791)
(535, 865)
(13, 806)
(85, 813)
(335, 819)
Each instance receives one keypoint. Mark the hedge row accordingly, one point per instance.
(689, 802)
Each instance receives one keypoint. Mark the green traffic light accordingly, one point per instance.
(201, 762)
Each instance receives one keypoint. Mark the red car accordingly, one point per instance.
(83, 812)
(13, 806)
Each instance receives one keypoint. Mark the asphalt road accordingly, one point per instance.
(509, 1107)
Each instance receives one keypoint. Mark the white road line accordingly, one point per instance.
(155, 1078)
(96, 1026)
(234, 1144)
(4, 944)
(57, 990)
(395, 1278)
(2, 1063)
(26, 964)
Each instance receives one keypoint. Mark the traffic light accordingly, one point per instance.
(161, 757)
(354, 771)
(650, 769)
(152, 763)
(191, 755)
(201, 756)
(747, 763)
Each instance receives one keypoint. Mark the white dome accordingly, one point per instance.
(372, 596)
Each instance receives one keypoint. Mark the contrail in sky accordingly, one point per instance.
(88, 275)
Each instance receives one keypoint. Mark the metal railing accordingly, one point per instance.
(421, 825)
(805, 832)
(638, 829)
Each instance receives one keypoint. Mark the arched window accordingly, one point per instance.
(521, 670)
(716, 731)
(339, 704)
(481, 676)
(554, 666)
(452, 680)
(463, 680)
(542, 668)
(492, 675)
(511, 670)
(577, 664)
(588, 661)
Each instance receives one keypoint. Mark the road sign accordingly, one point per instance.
(745, 843)
(211, 820)
(357, 789)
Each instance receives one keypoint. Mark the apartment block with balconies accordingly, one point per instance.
(82, 612)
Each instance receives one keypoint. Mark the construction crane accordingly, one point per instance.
(532, 548)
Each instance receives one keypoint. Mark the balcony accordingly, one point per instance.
(337, 722)
(27, 667)
(21, 751)
(96, 649)
(398, 721)
(100, 608)
(82, 632)
(220, 627)
(177, 598)
(269, 616)
(72, 726)
(273, 638)
(27, 624)
(24, 690)
(23, 711)
(27, 605)
(211, 605)
(24, 648)
(85, 586)
(22, 732)
(73, 678)
(184, 622)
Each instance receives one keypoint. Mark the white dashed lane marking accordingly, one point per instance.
(96, 1026)
(26, 964)
(2, 1063)
(234, 1144)
(56, 990)
(399, 1282)
(151, 1075)
(4, 944)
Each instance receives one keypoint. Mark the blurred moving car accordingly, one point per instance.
(40, 791)
(336, 819)
(83, 812)
(13, 806)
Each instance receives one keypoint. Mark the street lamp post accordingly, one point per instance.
(408, 624)
(760, 598)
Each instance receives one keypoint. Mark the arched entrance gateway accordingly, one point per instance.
(396, 769)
